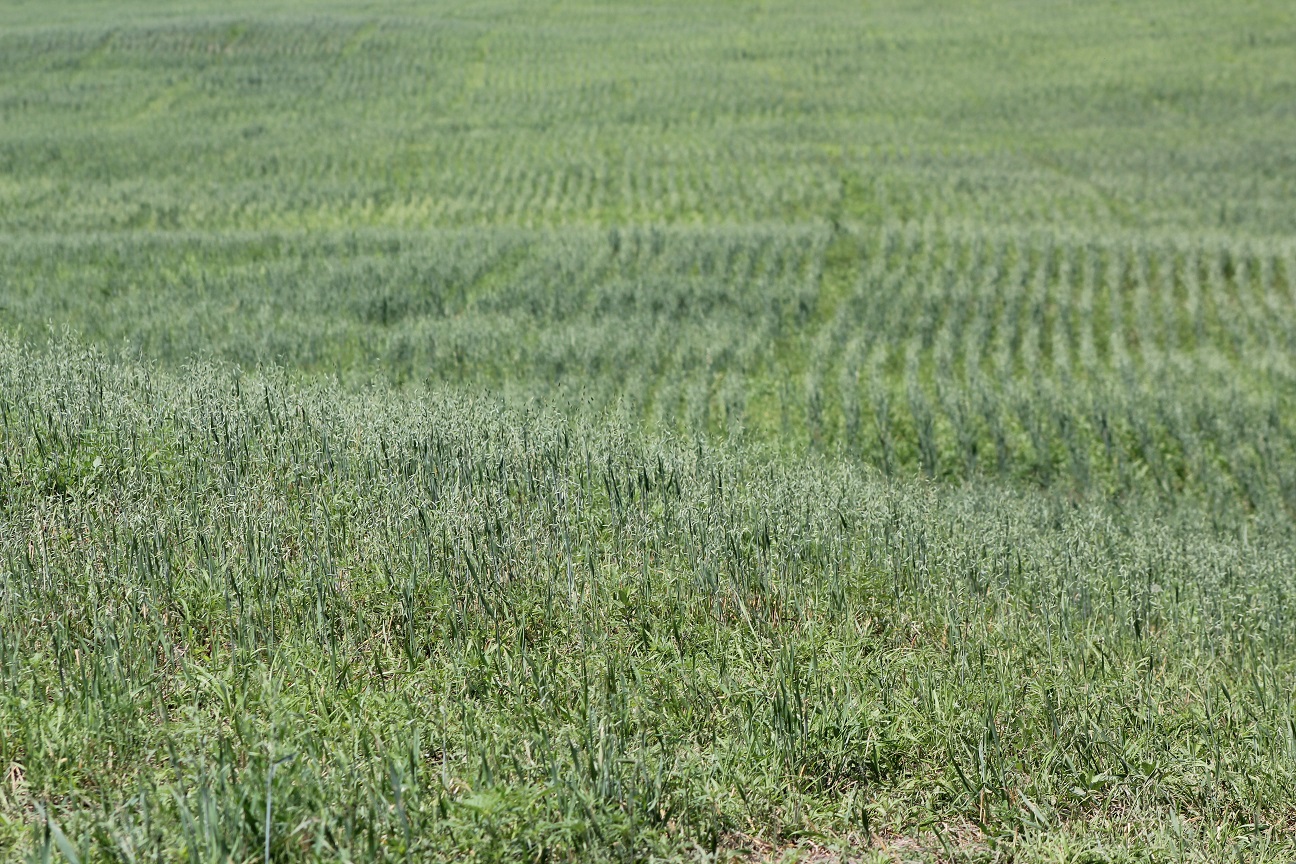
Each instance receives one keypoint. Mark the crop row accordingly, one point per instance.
(1095, 364)
(432, 119)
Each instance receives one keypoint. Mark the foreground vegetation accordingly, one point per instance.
(685, 431)
(426, 626)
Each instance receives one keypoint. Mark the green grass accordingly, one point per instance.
(680, 431)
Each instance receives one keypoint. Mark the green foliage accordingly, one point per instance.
(479, 631)
(653, 431)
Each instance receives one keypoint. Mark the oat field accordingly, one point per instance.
(627, 431)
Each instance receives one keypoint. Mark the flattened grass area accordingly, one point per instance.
(709, 431)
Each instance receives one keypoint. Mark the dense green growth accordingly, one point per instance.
(481, 631)
(609, 431)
